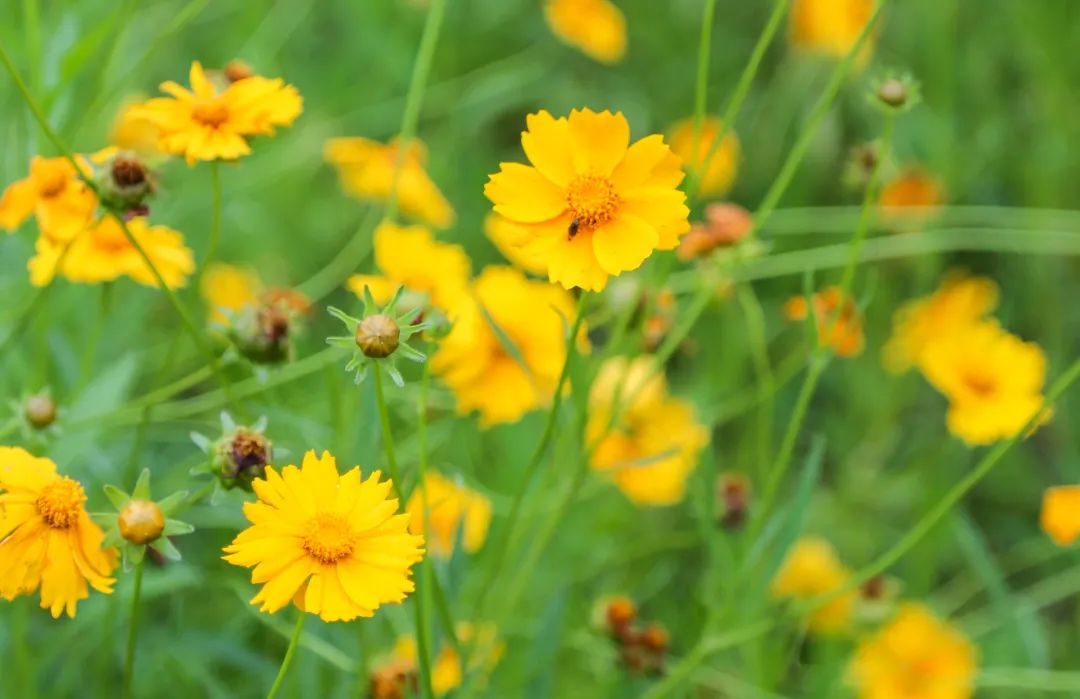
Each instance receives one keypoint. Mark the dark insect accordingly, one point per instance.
(572, 230)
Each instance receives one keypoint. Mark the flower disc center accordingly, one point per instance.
(60, 502)
(328, 538)
(592, 200)
(212, 114)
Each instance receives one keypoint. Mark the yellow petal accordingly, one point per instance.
(600, 140)
(623, 244)
(547, 145)
(522, 194)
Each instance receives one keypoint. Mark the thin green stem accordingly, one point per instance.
(333, 274)
(701, 86)
(133, 630)
(766, 382)
(423, 597)
(387, 435)
(215, 221)
(86, 366)
(289, 653)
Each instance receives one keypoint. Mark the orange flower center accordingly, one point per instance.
(328, 538)
(60, 502)
(981, 386)
(53, 185)
(592, 200)
(212, 114)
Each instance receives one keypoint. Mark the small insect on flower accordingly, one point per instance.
(572, 229)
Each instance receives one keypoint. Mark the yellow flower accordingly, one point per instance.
(509, 238)
(393, 677)
(1060, 516)
(482, 372)
(330, 543)
(410, 256)
(831, 27)
(959, 301)
(811, 569)
(719, 176)
(133, 131)
(103, 253)
(597, 27)
(54, 194)
(47, 539)
(911, 195)
(993, 381)
(845, 336)
(229, 288)
(451, 506)
(366, 169)
(208, 123)
(653, 447)
(594, 206)
(915, 656)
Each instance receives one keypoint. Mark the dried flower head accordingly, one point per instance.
(239, 456)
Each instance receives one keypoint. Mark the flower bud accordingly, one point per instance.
(40, 410)
(655, 637)
(141, 521)
(241, 457)
(619, 614)
(263, 332)
(125, 183)
(725, 224)
(377, 336)
(733, 499)
(893, 92)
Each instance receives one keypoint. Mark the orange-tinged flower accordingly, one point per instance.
(366, 169)
(720, 174)
(810, 570)
(1060, 516)
(510, 238)
(47, 540)
(911, 195)
(396, 676)
(831, 27)
(209, 122)
(596, 27)
(725, 224)
(330, 543)
(845, 336)
(62, 203)
(229, 288)
(594, 205)
(453, 510)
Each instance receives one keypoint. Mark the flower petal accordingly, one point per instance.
(622, 244)
(599, 140)
(522, 194)
(547, 145)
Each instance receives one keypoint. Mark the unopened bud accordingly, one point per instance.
(733, 499)
(141, 521)
(893, 92)
(656, 638)
(377, 336)
(241, 457)
(125, 183)
(40, 410)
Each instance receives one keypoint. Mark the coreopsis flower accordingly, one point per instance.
(645, 441)
(216, 122)
(839, 323)
(724, 225)
(506, 349)
(133, 131)
(959, 301)
(454, 510)
(594, 205)
(47, 539)
(831, 27)
(993, 381)
(911, 196)
(914, 656)
(329, 543)
(227, 289)
(54, 194)
(140, 522)
(812, 569)
(397, 676)
(411, 257)
(1060, 515)
(366, 169)
(102, 253)
(510, 239)
(718, 177)
(596, 27)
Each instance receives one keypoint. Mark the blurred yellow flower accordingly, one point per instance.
(103, 253)
(958, 302)
(993, 381)
(719, 176)
(831, 27)
(62, 203)
(1060, 516)
(229, 288)
(47, 539)
(366, 169)
(593, 204)
(914, 656)
(509, 238)
(596, 27)
(483, 373)
(452, 508)
(332, 544)
(911, 196)
(133, 131)
(653, 446)
(396, 676)
(845, 336)
(810, 570)
(212, 122)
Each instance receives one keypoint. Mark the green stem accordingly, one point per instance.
(387, 435)
(423, 598)
(133, 630)
(215, 221)
(90, 350)
(331, 275)
(701, 86)
(289, 653)
(766, 382)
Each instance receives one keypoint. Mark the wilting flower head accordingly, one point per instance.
(812, 569)
(1060, 516)
(831, 27)
(718, 177)
(453, 510)
(959, 302)
(239, 456)
(124, 183)
(725, 224)
(593, 205)
(993, 381)
(911, 196)
(330, 543)
(511, 239)
(47, 539)
(215, 122)
(366, 169)
(103, 253)
(653, 441)
(915, 656)
(396, 677)
(597, 27)
(838, 323)
(53, 192)
(505, 352)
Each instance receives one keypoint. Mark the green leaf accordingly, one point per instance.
(117, 497)
(165, 547)
(344, 317)
(169, 504)
(142, 486)
(174, 527)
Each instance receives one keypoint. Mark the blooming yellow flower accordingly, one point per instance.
(229, 288)
(54, 194)
(409, 256)
(593, 204)
(831, 27)
(483, 372)
(393, 678)
(811, 569)
(330, 543)
(845, 336)
(653, 445)
(451, 507)
(133, 131)
(719, 176)
(993, 381)
(597, 27)
(1060, 516)
(208, 122)
(958, 302)
(103, 253)
(47, 539)
(366, 169)
(510, 238)
(915, 656)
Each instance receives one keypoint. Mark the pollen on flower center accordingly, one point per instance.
(592, 200)
(328, 538)
(211, 114)
(61, 502)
